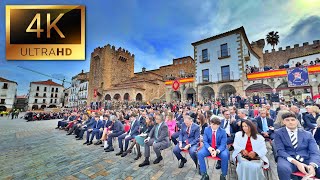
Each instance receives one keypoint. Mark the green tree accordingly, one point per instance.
(272, 38)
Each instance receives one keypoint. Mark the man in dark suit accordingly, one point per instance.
(296, 111)
(216, 110)
(215, 144)
(228, 124)
(188, 140)
(179, 120)
(274, 98)
(250, 111)
(265, 124)
(116, 130)
(94, 130)
(127, 136)
(296, 149)
(158, 138)
(272, 113)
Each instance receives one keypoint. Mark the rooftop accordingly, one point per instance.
(6, 80)
(49, 82)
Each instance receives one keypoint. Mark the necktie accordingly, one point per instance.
(225, 126)
(157, 129)
(213, 143)
(265, 125)
(187, 141)
(294, 140)
(188, 131)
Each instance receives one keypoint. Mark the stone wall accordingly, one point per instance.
(281, 56)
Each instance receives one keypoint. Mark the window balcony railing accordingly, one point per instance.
(225, 76)
(205, 79)
(204, 59)
(223, 53)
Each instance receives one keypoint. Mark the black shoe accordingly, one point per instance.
(145, 163)
(57, 128)
(98, 142)
(157, 160)
(182, 162)
(79, 138)
(205, 177)
(124, 154)
(85, 142)
(231, 148)
(76, 137)
(138, 157)
(68, 134)
(222, 177)
(102, 146)
(119, 153)
(109, 150)
(89, 143)
(218, 166)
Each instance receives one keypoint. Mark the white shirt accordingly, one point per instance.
(228, 126)
(295, 132)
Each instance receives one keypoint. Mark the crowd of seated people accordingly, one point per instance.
(37, 116)
(223, 133)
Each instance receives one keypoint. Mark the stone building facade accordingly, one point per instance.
(282, 56)
(78, 90)
(112, 76)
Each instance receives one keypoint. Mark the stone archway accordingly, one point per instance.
(43, 106)
(52, 106)
(139, 97)
(262, 89)
(126, 97)
(3, 108)
(117, 97)
(175, 95)
(226, 91)
(35, 107)
(207, 93)
(107, 97)
(191, 94)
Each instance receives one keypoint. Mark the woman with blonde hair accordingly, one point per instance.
(279, 121)
(310, 119)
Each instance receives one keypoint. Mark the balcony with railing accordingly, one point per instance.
(223, 53)
(205, 79)
(204, 59)
(224, 77)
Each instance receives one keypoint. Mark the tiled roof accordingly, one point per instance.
(6, 80)
(48, 82)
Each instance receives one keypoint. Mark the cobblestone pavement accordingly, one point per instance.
(35, 150)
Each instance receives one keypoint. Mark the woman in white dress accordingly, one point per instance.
(249, 152)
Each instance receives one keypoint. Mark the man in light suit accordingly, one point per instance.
(188, 140)
(215, 144)
(265, 125)
(127, 136)
(296, 149)
(158, 138)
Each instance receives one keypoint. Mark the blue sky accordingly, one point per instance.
(158, 31)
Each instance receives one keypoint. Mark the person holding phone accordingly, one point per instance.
(188, 140)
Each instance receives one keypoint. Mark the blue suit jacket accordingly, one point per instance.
(221, 138)
(194, 135)
(307, 146)
(90, 123)
(179, 120)
(97, 124)
(107, 123)
(134, 128)
(273, 114)
(309, 121)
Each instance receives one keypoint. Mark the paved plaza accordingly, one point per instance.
(35, 150)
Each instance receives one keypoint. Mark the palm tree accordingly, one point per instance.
(272, 38)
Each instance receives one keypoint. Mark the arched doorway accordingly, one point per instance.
(139, 97)
(107, 97)
(262, 89)
(43, 106)
(191, 94)
(52, 106)
(3, 108)
(126, 97)
(207, 93)
(117, 97)
(226, 91)
(34, 107)
(298, 92)
(176, 95)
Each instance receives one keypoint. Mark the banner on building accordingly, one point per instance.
(175, 85)
(95, 92)
(298, 77)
